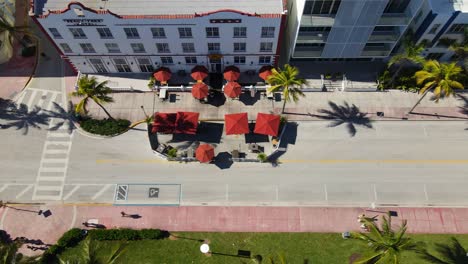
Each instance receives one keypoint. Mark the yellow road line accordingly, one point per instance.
(379, 161)
(322, 161)
(116, 161)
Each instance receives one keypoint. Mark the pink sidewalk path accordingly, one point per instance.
(15, 74)
(222, 219)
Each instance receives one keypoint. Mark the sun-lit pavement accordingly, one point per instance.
(394, 163)
(20, 222)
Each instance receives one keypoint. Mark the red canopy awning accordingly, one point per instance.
(199, 72)
(162, 74)
(164, 123)
(232, 89)
(231, 73)
(267, 124)
(204, 153)
(236, 124)
(200, 90)
(186, 123)
(264, 72)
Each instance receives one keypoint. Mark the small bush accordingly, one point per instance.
(262, 157)
(71, 238)
(105, 127)
(172, 153)
(126, 234)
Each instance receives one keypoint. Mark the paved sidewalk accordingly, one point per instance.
(394, 105)
(221, 219)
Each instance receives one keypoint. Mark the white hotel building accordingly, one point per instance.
(122, 36)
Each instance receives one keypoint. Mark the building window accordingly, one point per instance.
(457, 28)
(167, 60)
(321, 7)
(132, 33)
(214, 47)
(162, 48)
(396, 6)
(145, 65)
(77, 33)
(138, 47)
(239, 47)
(66, 48)
(239, 59)
(212, 32)
(105, 33)
(188, 47)
(268, 32)
(240, 32)
(112, 47)
(185, 32)
(87, 48)
(158, 32)
(264, 60)
(434, 29)
(266, 46)
(434, 56)
(121, 65)
(55, 33)
(191, 60)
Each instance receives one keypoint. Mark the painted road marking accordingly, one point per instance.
(71, 192)
(324, 161)
(30, 186)
(105, 188)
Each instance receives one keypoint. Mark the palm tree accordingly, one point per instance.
(92, 253)
(453, 253)
(9, 32)
(440, 77)
(410, 55)
(89, 88)
(386, 245)
(288, 82)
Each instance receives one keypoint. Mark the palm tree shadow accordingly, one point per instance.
(351, 116)
(21, 117)
(66, 118)
(464, 108)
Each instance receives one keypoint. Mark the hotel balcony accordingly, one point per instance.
(317, 20)
(393, 20)
(384, 37)
(312, 37)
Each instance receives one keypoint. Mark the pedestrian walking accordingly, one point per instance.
(123, 214)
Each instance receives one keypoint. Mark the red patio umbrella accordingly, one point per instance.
(200, 90)
(204, 153)
(186, 123)
(231, 73)
(162, 74)
(267, 124)
(164, 123)
(199, 72)
(236, 124)
(264, 72)
(232, 89)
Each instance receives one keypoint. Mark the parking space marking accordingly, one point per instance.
(4, 187)
(105, 188)
(326, 192)
(71, 192)
(425, 192)
(29, 187)
(375, 192)
(227, 192)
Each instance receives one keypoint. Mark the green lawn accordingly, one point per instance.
(312, 248)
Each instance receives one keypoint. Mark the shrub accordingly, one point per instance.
(172, 153)
(71, 238)
(262, 157)
(106, 127)
(126, 234)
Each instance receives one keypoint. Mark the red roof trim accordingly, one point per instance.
(169, 16)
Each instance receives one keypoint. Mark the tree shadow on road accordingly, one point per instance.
(65, 117)
(464, 108)
(351, 116)
(21, 117)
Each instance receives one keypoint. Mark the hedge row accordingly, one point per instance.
(72, 237)
(127, 234)
(105, 127)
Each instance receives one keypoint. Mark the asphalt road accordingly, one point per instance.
(412, 163)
